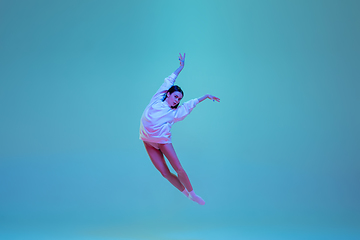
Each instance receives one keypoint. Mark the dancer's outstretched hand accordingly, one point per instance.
(213, 98)
(209, 97)
(182, 60)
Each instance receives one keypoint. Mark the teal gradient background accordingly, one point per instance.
(278, 158)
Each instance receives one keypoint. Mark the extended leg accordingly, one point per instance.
(170, 154)
(158, 160)
(169, 151)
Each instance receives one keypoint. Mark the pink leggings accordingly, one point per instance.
(153, 144)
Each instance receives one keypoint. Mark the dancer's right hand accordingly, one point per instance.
(182, 60)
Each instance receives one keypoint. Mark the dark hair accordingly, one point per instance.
(174, 88)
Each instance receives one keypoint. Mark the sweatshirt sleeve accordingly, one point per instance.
(185, 109)
(168, 82)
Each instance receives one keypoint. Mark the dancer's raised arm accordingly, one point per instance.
(182, 63)
(209, 97)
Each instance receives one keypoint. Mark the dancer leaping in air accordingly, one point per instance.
(155, 125)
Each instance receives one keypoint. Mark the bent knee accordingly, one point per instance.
(165, 174)
(179, 170)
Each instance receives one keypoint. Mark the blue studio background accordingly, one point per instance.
(277, 158)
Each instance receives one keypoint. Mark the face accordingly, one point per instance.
(174, 98)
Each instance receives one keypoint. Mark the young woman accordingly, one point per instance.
(161, 113)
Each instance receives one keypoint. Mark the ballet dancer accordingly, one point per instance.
(155, 125)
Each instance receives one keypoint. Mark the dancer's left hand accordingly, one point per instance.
(213, 98)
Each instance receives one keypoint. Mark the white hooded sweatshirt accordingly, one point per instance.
(158, 116)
